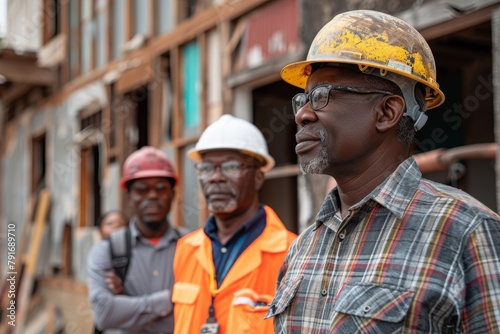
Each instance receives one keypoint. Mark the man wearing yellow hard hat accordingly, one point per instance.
(389, 252)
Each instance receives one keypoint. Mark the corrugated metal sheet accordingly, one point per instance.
(271, 32)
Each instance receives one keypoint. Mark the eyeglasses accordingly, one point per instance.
(319, 96)
(231, 169)
(142, 189)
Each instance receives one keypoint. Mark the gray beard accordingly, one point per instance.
(319, 164)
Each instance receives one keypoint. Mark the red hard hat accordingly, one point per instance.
(147, 162)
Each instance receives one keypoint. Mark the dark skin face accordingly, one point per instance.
(353, 138)
(232, 200)
(152, 200)
(111, 222)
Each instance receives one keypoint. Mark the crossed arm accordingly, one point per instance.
(112, 308)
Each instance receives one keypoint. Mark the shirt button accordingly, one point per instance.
(341, 236)
(155, 273)
(366, 309)
(324, 292)
(223, 250)
(164, 313)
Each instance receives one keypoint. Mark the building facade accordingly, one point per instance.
(83, 83)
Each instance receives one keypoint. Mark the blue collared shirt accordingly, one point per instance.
(222, 254)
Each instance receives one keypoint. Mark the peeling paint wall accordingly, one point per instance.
(15, 189)
(60, 123)
(62, 171)
(110, 188)
(24, 32)
(64, 165)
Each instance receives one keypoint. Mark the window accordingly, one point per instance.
(87, 30)
(52, 24)
(38, 163)
(101, 23)
(164, 16)
(74, 39)
(191, 88)
(118, 14)
(140, 13)
(90, 166)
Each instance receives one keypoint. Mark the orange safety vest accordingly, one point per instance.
(251, 279)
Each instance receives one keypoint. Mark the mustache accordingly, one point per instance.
(149, 202)
(218, 188)
(313, 130)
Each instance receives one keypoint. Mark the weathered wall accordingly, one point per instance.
(59, 123)
(65, 161)
(15, 186)
(317, 13)
(25, 30)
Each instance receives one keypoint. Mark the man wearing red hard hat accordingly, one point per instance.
(142, 304)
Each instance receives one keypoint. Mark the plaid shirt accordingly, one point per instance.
(413, 256)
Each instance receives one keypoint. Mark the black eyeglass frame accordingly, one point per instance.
(231, 173)
(356, 90)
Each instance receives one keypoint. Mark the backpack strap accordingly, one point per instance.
(120, 243)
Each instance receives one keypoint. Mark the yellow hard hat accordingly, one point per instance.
(370, 40)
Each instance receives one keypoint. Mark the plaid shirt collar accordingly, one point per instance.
(395, 193)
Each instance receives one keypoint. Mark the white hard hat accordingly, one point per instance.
(232, 133)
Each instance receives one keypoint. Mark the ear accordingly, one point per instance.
(389, 111)
(259, 179)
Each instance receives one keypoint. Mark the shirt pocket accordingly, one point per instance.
(185, 293)
(247, 311)
(284, 295)
(362, 305)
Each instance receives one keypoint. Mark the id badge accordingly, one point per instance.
(210, 328)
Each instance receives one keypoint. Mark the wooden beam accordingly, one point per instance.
(227, 92)
(460, 23)
(31, 260)
(22, 241)
(135, 77)
(185, 32)
(64, 19)
(189, 29)
(20, 71)
(202, 41)
(175, 74)
(153, 18)
(14, 92)
(155, 90)
(129, 19)
(66, 250)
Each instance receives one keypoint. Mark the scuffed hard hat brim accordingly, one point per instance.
(195, 155)
(298, 73)
(146, 174)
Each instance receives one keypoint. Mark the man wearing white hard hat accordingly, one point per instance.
(225, 273)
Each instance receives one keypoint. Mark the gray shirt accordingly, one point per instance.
(145, 306)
